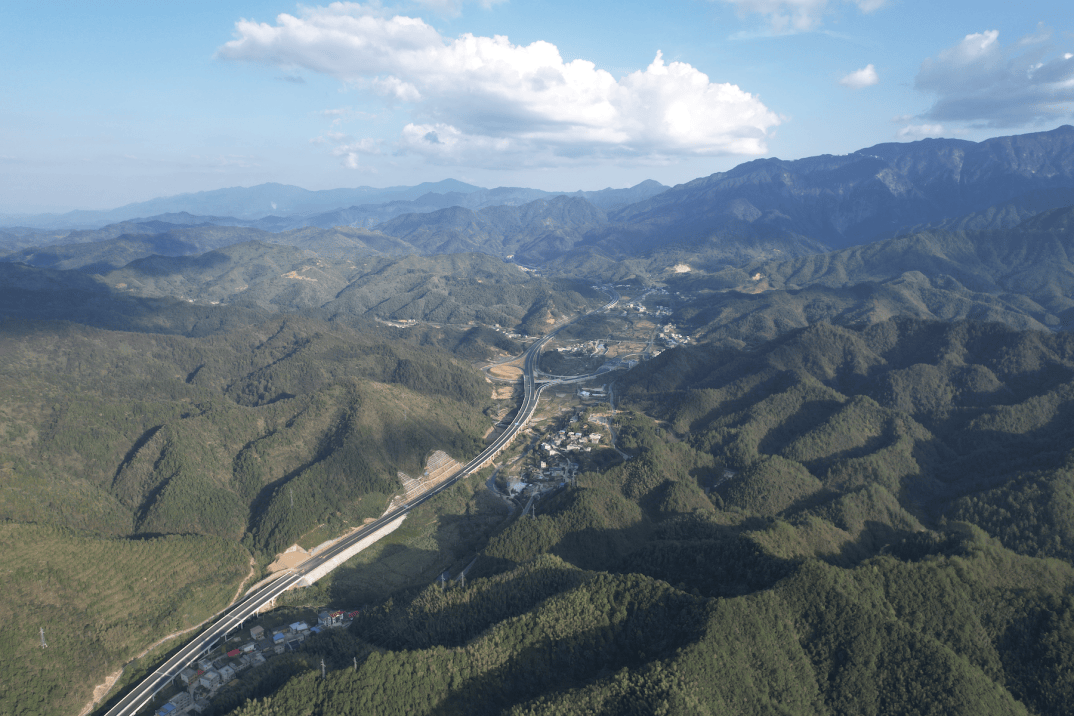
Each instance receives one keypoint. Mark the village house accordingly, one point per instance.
(210, 679)
(181, 700)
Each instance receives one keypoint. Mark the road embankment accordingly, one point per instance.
(320, 571)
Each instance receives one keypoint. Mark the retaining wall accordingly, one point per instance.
(354, 549)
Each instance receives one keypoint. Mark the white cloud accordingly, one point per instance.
(351, 153)
(920, 131)
(482, 95)
(788, 16)
(979, 80)
(347, 148)
(858, 79)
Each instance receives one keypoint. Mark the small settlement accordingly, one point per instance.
(554, 461)
(196, 685)
(638, 304)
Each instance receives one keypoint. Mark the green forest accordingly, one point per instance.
(844, 519)
(840, 521)
(837, 481)
(101, 601)
(145, 476)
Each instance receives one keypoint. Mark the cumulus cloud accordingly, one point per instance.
(788, 16)
(980, 80)
(348, 149)
(865, 77)
(483, 95)
(351, 153)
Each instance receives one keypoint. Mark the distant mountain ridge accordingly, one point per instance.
(841, 201)
(277, 207)
(767, 209)
(1022, 277)
(536, 230)
(243, 203)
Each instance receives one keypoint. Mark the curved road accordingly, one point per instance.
(233, 618)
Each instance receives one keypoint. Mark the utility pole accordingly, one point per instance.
(322, 668)
(356, 663)
(43, 644)
(292, 491)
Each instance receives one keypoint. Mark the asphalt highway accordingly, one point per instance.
(233, 617)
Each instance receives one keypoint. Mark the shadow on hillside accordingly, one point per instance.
(713, 563)
(633, 633)
(413, 562)
(875, 537)
(396, 567)
(453, 615)
(33, 294)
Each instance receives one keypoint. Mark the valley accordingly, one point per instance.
(782, 423)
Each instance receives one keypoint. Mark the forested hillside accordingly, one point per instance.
(260, 279)
(101, 601)
(848, 488)
(125, 433)
(1021, 276)
(192, 459)
(839, 201)
(838, 522)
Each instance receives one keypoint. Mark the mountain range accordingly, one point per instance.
(763, 209)
(1022, 277)
(238, 202)
(278, 207)
(851, 491)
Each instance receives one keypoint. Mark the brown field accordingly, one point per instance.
(506, 372)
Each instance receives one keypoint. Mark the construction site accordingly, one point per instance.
(439, 467)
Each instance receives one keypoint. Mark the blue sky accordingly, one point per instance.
(106, 103)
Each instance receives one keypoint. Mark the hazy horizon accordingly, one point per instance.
(122, 103)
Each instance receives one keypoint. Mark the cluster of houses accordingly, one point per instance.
(553, 473)
(511, 334)
(671, 338)
(638, 304)
(639, 307)
(200, 681)
(588, 348)
(568, 441)
(399, 323)
(554, 465)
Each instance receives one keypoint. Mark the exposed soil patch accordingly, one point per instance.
(506, 372)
